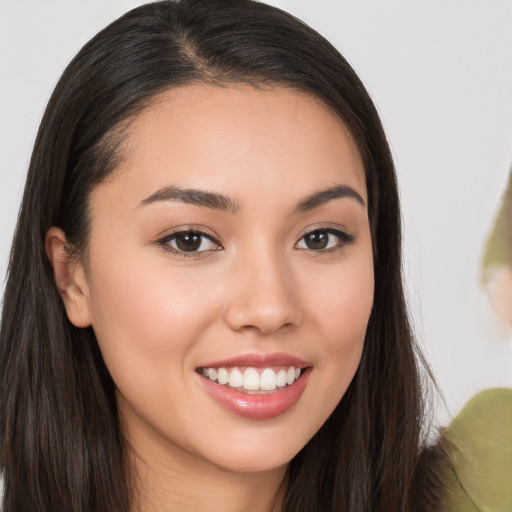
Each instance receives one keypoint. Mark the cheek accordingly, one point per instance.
(147, 319)
(344, 328)
(340, 310)
(342, 305)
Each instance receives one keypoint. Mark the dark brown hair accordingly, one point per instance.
(61, 444)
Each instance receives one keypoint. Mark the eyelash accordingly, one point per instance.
(167, 239)
(344, 239)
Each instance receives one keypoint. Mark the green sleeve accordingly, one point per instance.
(480, 443)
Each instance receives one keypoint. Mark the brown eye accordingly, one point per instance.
(317, 240)
(324, 239)
(190, 242)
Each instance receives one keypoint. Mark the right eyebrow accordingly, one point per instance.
(193, 196)
(323, 196)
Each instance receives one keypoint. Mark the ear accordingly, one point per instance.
(70, 278)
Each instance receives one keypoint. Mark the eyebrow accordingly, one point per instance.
(221, 202)
(319, 198)
(193, 196)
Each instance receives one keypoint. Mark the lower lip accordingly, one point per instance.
(257, 407)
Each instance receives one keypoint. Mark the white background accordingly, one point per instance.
(440, 72)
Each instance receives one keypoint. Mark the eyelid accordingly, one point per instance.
(341, 232)
(163, 239)
(199, 228)
(325, 226)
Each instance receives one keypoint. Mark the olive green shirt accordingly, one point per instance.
(480, 439)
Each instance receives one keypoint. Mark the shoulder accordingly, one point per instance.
(479, 443)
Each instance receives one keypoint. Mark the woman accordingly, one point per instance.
(207, 268)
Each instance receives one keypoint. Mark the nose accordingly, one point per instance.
(264, 296)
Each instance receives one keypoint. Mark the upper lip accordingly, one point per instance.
(259, 361)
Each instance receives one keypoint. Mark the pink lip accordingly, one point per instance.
(257, 406)
(259, 361)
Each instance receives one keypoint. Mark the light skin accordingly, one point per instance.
(285, 167)
(499, 287)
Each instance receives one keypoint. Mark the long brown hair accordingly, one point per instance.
(62, 446)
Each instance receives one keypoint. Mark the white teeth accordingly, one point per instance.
(281, 378)
(223, 376)
(235, 379)
(253, 379)
(268, 379)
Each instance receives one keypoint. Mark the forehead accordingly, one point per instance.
(220, 137)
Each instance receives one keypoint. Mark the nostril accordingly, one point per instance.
(265, 318)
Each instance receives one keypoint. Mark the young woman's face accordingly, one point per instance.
(229, 252)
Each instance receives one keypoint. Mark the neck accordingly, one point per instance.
(188, 486)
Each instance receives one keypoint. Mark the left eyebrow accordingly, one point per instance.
(323, 196)
(193, 196)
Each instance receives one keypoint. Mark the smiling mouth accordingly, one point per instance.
(252, 380)
(256, 386)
